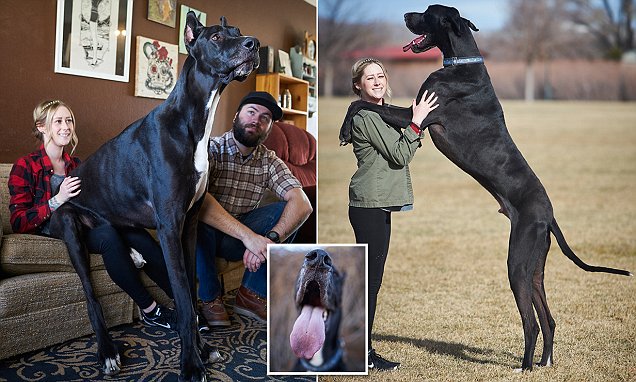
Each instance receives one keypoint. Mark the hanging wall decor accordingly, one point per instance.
(156, 68)
(92, 38)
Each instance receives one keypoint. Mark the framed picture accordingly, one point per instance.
(156, 68)
(182, 23)
(309, 48)
(163, 12)
(92, 38)
(284, 64)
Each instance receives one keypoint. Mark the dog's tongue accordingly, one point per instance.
(415, 41)
(308, 333)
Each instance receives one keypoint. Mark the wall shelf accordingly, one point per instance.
(276, 83)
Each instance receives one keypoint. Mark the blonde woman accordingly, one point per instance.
(382, 183)
(40, 182)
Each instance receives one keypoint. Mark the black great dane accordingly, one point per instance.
(154, 175)
(315, 338)
(469, 129)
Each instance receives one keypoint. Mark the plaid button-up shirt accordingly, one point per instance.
(239, 183)
(30, 190)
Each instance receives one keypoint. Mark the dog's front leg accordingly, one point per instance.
(394, 116)
(66, 225)
(169, 231)
(188, 240)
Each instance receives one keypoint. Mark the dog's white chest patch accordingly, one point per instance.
(201, 162)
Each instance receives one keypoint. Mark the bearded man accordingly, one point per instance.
(231, 223)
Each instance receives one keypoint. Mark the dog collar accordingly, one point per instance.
(454, 61)
(329, 365)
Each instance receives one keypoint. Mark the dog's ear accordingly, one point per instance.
(192, 30)
(453, 23)
(223, 22)
(470, 24)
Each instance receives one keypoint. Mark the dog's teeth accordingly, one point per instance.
(325, 315)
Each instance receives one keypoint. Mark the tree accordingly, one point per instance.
(339, 32)
(613, 29)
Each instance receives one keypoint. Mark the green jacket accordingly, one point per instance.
(383, 154)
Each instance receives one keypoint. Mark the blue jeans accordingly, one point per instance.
(212, 242)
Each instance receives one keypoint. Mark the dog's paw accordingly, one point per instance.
(215, 356)
(112, 366)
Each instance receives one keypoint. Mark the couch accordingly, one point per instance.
(297, 148)
(41, 299)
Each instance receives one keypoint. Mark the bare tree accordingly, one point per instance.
(339, 32)
(533, 31)
(612, 28)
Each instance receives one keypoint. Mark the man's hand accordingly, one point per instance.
(251, 261)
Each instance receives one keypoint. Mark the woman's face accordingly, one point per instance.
(61, 130)
(372, 84)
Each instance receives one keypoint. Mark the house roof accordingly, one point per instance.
(395, 53)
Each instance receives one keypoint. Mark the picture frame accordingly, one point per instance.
(93, 41)
(309, 47)
(156, 68)
(284, 63)
(163, 12)
(202, 16)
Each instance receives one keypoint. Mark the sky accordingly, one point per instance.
(487, 15)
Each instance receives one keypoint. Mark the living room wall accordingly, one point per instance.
(104, 108)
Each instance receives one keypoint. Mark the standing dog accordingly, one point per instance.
(469, 129)
(154, 175)
(315, 338)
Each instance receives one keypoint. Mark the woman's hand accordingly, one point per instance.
(427, 104)
(69, 188)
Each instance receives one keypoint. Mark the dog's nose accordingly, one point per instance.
(318, 258)
(250, 43)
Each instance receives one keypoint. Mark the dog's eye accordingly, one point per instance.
(215, 37)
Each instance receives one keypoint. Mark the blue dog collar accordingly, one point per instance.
(454, 61)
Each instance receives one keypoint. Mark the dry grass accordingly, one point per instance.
(446, 310)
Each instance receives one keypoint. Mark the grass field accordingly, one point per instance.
(445, 308)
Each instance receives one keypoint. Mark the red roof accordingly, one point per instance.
(395, 53)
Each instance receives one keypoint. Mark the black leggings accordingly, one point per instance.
(373, 227)
(114, 245)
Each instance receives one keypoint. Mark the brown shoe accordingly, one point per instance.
(214, 312)
(249, 304)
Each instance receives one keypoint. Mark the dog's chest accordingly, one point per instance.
(201, 162)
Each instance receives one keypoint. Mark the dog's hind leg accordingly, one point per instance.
(66, 225)
(522, 262)
(540, 303)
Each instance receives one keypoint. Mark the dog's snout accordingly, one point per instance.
(318, 258)
(250, 43)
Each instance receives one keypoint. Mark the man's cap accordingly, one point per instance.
(263, 99)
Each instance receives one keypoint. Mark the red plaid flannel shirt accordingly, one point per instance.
(30, 190)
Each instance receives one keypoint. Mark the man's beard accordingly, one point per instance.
(247, 140)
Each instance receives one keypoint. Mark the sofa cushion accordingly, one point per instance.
(24, 253)
(48, 290)
(5, 169)
(297, 148)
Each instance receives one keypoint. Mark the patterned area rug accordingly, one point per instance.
(149, 354)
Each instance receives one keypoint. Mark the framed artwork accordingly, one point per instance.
(156, 68)
(182, 23)
(309, 47)
(92, 38)
(284, 64)
(163, 12)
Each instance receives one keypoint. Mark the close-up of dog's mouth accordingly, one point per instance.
(418, 44)
(308, 333)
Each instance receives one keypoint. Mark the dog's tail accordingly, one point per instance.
(554, 227)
